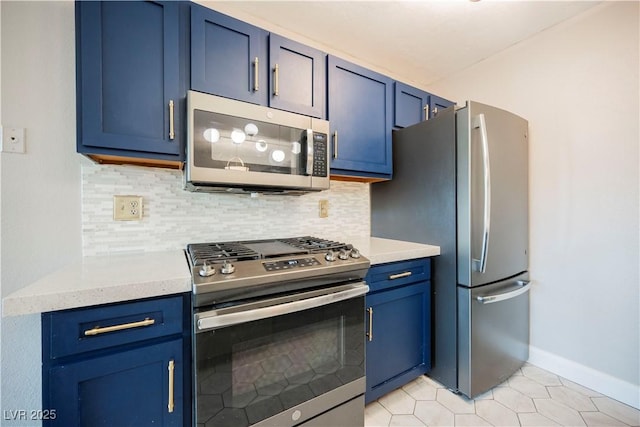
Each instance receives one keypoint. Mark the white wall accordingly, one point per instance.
(0, 208)
(578, 85)
(40, 210)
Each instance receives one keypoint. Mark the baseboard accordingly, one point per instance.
(612, 387)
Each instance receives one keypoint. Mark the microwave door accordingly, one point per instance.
(232, 144)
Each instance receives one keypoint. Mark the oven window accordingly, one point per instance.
(234, 143)
(247, 373)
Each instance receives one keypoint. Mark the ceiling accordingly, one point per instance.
(424, 41)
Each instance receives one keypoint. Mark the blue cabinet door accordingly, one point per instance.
(438, 104)
(413, 105)
(360, 113)
(130, 388)
(228, 57)
(398, 347)
(298, 77)
(130, 89)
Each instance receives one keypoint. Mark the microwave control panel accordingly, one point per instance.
(320, 154)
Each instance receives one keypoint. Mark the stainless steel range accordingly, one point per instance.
(278, 333)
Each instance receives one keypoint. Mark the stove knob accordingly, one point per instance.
(227, 268)
(330, 256)
(355, 253)
(207, 270)
(343, 254)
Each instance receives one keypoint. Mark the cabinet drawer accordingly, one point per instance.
(81, 330)
(391, 275)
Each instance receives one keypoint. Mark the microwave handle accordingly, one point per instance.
(310, 150)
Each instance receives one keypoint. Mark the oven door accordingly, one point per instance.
(282, 361)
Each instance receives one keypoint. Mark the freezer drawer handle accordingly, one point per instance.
(525, 286)
(400, 275)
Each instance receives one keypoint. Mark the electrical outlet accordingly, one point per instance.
(324, 208)
(13, 140)
(127, 208)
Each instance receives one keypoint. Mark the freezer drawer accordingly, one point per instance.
(493, 333)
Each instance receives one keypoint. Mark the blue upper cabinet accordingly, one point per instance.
(438, 104)
(413, 105)
(298, 77)
(361, 117)
(236, 60)
(131, 80)
(228, 57)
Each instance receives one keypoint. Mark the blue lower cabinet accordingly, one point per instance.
(139, 387)
(131, 365)
(398, 329)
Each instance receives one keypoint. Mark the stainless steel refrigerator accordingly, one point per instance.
(461, 182)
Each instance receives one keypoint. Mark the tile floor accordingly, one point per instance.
(531, 397)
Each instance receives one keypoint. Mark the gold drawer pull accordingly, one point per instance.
(99, 330)
(172, 131)
(400, 275)
(170, 404)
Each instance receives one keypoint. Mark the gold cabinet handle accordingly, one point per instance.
(172, 133)
(426, 112)
(171, 369)
(400, 275)
(100, 330)
(256, 82)
(335, 144)
(370, 333)
(276, 80)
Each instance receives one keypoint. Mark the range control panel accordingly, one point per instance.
(290, 263)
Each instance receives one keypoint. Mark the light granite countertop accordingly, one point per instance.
(380, 251)
(117, 278)
(102, 280)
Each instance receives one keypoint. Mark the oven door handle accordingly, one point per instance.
(220, 318)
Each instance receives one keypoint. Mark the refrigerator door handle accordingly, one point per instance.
(480, 123)
(525, 285)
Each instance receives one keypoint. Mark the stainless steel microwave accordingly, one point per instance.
(235, 146)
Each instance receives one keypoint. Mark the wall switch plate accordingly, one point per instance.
(127, 208)
(13, 140)
(324, 208)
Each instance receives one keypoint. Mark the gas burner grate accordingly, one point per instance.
(218, 252)
(315, 244)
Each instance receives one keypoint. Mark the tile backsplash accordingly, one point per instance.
(173, 217)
